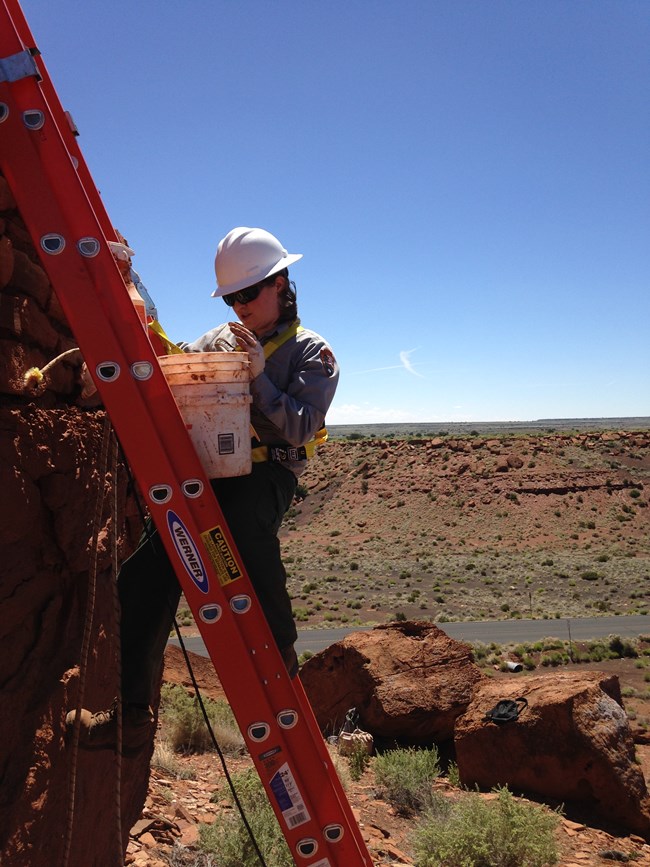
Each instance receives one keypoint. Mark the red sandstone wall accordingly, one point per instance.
(49, 480)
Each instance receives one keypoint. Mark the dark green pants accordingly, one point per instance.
(253, 507)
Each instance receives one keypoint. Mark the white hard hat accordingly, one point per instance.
(246, 256)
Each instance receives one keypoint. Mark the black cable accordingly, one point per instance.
(148, 533)
(215, 743)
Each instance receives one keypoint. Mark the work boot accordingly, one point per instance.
(290, 659)
(98, 731)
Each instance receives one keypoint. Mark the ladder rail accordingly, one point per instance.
(108, 329)
(63, 119)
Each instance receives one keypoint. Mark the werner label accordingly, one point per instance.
(187, 551)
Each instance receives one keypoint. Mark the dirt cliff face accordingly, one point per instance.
(61, 487)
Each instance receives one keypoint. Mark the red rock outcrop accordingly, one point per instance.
(51, 473)
(572, 743)
(408, 681)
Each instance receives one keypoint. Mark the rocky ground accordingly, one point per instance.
(449, 528)
(168, 830)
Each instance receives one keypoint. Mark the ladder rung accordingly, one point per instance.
(17, 66)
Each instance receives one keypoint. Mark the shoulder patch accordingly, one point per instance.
(328, 361)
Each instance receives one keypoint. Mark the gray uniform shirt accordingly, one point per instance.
(293, 393)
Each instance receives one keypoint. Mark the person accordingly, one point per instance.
(294, 376)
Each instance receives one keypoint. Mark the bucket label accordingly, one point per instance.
(222, 557)
(226, 443)
(187, 551)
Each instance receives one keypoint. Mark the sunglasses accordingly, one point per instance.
(246, 295)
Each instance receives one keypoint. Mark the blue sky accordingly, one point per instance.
(468, 182)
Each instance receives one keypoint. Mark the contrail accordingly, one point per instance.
(404, 357)
(405, 365)
(375, 369)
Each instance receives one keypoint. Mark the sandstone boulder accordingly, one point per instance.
(572, 743)
(408, 681)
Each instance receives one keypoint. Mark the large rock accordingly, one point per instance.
(572, 744)
(408, 681)
(50, 476)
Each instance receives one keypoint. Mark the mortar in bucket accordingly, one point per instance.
(212, 392)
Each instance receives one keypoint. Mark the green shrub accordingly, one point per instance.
(406, 776)
(480, 833)
(358, 761)
(453, 775)
(184, 727)
(619, 648)
(479, 652)
(590, 575)
(228, 839)
(554, 659)
(184, 617)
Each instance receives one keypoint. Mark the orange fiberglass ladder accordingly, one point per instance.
(70, 228)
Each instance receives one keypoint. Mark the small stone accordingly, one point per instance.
(190, 835)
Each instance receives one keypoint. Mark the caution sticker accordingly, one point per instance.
(221, 556)
(288, 797)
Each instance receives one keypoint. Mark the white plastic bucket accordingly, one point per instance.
(213, 395)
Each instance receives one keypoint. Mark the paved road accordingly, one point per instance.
(501, 631)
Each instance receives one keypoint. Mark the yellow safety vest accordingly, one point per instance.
(167, 343)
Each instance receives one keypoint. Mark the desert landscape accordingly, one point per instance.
(470, 525)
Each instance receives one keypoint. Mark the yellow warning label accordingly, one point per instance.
(222, 557)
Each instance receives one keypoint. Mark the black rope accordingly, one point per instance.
(213, 738)
(148, 532)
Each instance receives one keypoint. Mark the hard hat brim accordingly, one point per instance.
(228, 289)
